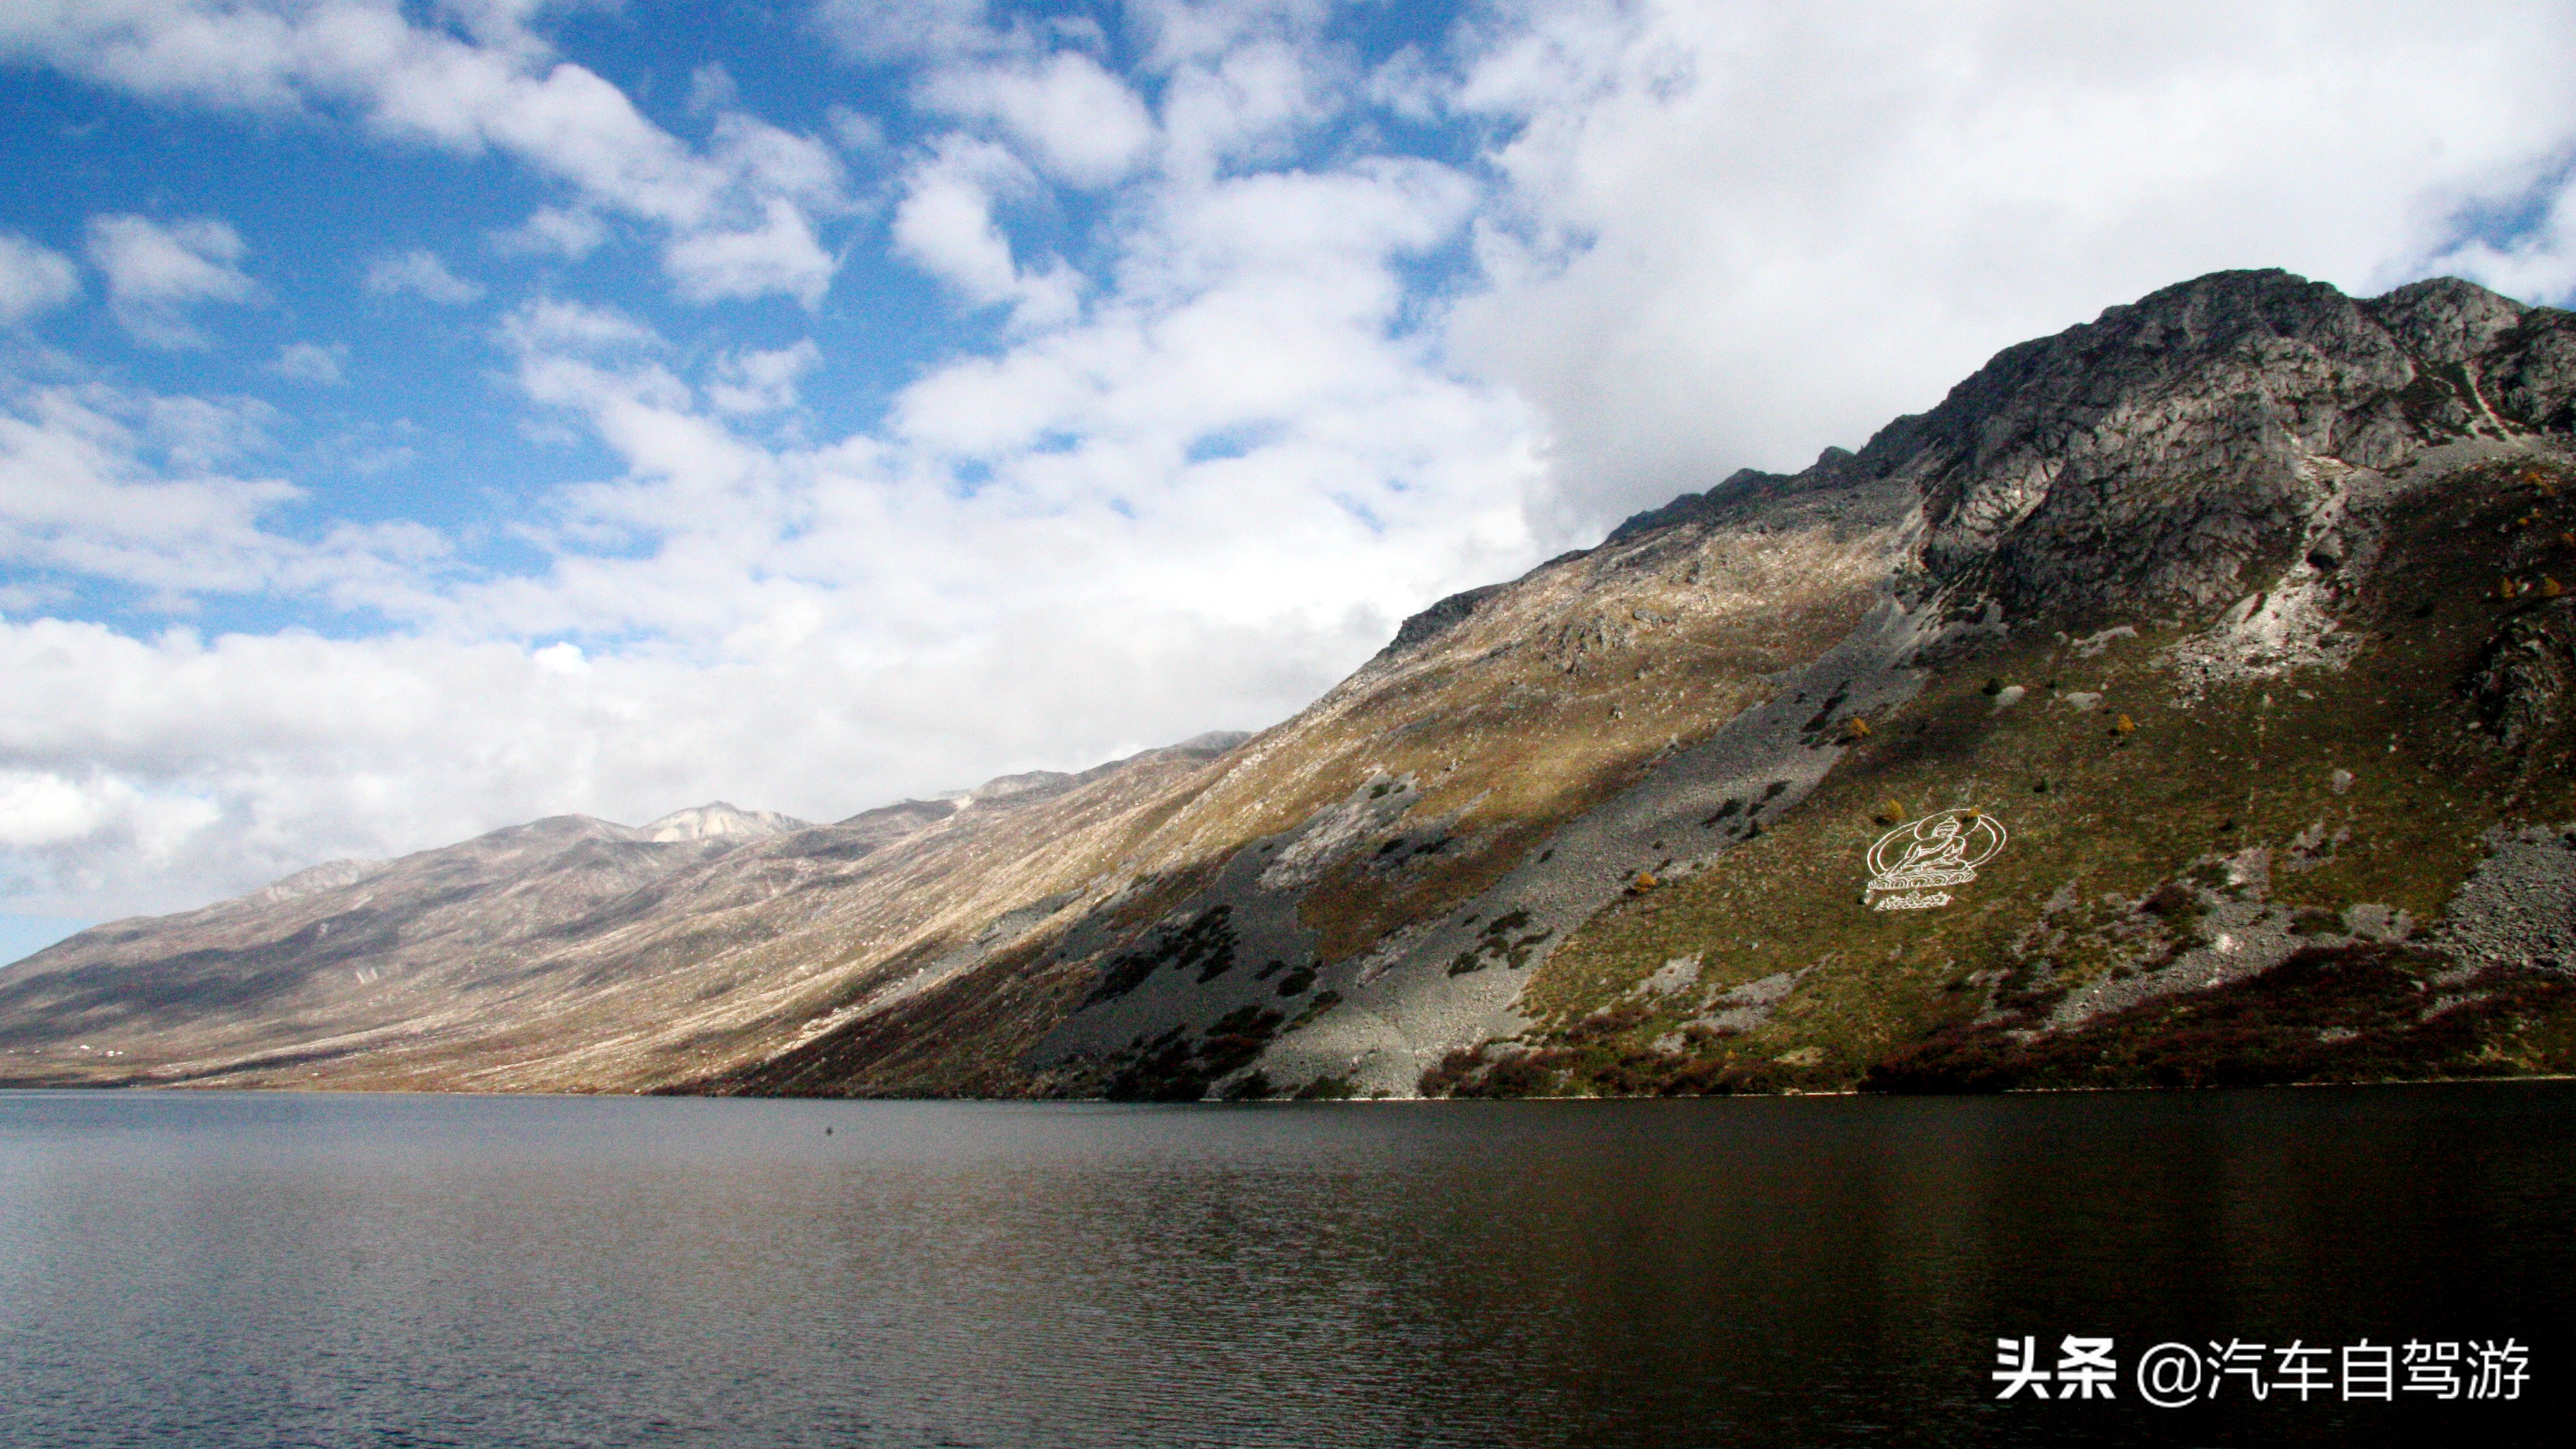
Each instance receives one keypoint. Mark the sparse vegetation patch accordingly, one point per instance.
(1205, 943)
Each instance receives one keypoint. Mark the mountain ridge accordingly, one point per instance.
(2236, 603)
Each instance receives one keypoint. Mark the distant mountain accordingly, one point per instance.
(720, 821)
(2184, 700)
(508, 962)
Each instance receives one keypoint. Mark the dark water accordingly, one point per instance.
(217, 1270)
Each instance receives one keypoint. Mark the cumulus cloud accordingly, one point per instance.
(150, 492)
(2535, 255)
(33, 279)
(41, 809)
(780, 254)
(1082, 124)
(156, 272)
(876, 31)
(1733, 233)
(748, 382)
(419, 273)
(856, 132)
(59, 827)
(313, 362)
(546, 324)
(496, 87)
(1245, 106)
(1252, 386)
(776, 163)
(567, 232)
(149, 773)
(946, 225)
(97, 482)
(712, 88)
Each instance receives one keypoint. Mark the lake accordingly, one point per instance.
(216, 1269)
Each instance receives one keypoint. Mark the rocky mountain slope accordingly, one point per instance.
(2184, 699)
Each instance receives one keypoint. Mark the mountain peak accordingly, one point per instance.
(720, 820)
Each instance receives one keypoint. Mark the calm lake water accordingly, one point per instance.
(217, 1269)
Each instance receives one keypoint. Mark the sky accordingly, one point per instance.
(421, 418)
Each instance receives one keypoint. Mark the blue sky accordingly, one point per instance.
(418, 418)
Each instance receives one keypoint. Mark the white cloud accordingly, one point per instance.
(857, 133)
(314, 363)
(546, 324)
(945, 225)
(775, 164)
(1251, 388)
(779, 255)
(875, 30)
(103, 483)
(1181, 32)
(1735, 233)
(497, 87)
(565, 232)
(143, 490)
(419, 273)
(712, 88)
(945, 221)
(1081, 124)
(156, 272)
(39, 810)
(2536, 262)
(33, 280)
(1243, 106)
(749, 382)
(148, 773)
(61, 829)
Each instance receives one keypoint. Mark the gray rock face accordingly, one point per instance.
(1441, 617)
(2167, 455)
(2521, 686)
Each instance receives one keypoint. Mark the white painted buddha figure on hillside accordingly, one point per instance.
(1940, 850)
(1945, 849)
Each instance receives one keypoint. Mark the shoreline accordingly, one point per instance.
(214, 1089)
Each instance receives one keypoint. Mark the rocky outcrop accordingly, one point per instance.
(2524, 674)
(2172, 453)
(1441, 617)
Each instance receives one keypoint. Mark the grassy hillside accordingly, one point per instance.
(2166, 830)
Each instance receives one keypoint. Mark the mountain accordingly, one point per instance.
(720, 821)
(2185, 699)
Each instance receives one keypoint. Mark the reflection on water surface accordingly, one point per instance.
(208, 1269)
